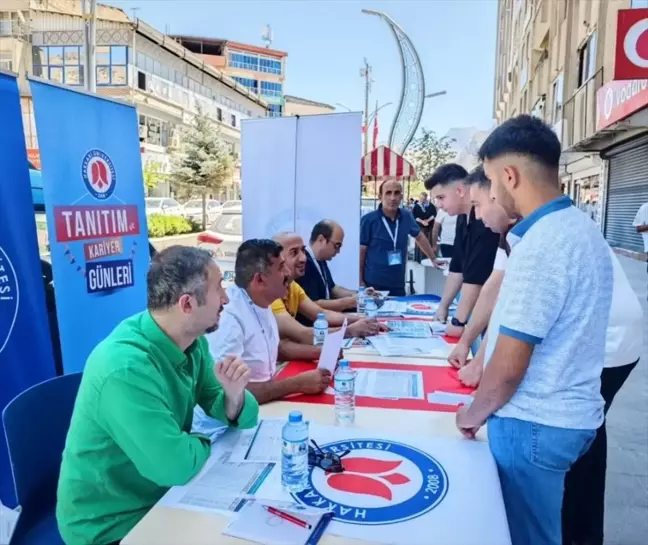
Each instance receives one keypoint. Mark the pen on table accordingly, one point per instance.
(288, 517)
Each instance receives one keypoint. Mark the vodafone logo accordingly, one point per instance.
(617, 96)
(635, 44)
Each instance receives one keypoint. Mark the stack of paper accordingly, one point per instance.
(392, 308)
(409, 329)
(387, 345)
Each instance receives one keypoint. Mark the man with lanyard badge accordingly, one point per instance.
(326, 242)
(384, 234)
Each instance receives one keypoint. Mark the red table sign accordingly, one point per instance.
(444, 379)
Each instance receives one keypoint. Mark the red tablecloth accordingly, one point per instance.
(434, 378)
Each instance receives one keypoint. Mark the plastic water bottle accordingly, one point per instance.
(320, 329)
(344, 393)
(371, 307)
(361, 301)
(294, 453)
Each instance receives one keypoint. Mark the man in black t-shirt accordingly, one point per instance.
(424, 213)
(325, 243)
(475, 244)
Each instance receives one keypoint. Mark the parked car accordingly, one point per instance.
(224, 237)
(157, 205)
(232, 204)
(193, 210)
(368, 205)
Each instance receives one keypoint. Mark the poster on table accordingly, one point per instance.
(297, 171)
(395, 489)
(25, 346)
(94, 198)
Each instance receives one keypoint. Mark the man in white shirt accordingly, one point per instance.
(248, 329)
(641, 224)
(447, 224)
(541, 388)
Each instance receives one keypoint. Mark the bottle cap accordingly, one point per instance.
(321, 316)
(343, 363)
(294, 416)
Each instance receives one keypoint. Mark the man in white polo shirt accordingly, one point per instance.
(584, 500)
(248, 329)
(540, 391)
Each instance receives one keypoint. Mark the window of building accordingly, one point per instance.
(246, 62)
(154, 131)
(112, 63)
(557, 99)
(219, 114)
(587, 60)
(269, 66)
(274, 110)
(251, 84)
(271, 89)
(233, 120)
(6, 61)
(60, 64)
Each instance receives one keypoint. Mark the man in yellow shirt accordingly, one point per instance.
(297, 340)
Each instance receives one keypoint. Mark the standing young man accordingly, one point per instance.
(474, 249)
(384, 234)
(540, 391)
(447, 226)
(641, 224)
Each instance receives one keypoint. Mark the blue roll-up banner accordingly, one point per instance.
(25, 346)
(94, 199)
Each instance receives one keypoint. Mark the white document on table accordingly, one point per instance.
(219, 487)
(331, 349)
(438, 328)
(392, 308)
(387, 345)
(260, 444)
(389, 384)
(411, 329)
(449, 398)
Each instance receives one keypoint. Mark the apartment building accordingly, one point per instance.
(303, 106)
(260, 69)
(134, 62)
(555, 60)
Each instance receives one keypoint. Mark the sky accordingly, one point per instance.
(326, 42)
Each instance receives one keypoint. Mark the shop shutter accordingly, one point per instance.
(627, 190)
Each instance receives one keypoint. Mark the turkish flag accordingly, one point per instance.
(631, 45)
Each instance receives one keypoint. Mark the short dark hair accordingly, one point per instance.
(478, 177)
(177, 271)
(254, 256)
(523, 135)
(446, 174)
(324, 228)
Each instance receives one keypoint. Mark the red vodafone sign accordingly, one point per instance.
(617, 100)
(631, 45)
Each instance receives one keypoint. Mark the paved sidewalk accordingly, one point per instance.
(626, 516)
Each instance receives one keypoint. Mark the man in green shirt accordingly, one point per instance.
(129, 439)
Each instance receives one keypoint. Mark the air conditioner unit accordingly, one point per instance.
(142, 131)
(176, 142)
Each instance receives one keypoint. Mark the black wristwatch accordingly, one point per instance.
(457, 323)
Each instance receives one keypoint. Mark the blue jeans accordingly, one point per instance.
(532, 460)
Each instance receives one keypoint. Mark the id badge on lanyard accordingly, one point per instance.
(394, 257)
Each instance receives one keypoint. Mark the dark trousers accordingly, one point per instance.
(447, 250)
(418, 253)
(584, 499)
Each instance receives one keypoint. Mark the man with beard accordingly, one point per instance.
(248, 330)
(296, 339)
(129, 439)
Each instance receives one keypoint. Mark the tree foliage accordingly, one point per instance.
(152, 174)
(205, 163)
(429, 151)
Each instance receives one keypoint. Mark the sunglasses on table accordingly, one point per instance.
(329, 462)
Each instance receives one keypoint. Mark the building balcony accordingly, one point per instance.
(579, 115)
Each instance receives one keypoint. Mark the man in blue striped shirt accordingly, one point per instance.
(540, 391)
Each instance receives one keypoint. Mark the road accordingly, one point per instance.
(626, 516)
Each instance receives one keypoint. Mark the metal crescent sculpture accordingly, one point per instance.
(410, 107)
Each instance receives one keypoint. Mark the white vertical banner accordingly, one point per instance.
(329, 149)
(299, 170)
(268, 158)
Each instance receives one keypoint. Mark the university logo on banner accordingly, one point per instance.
(94, 197)
(383, 482)
(632, 45)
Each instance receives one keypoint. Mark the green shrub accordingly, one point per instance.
(160, 225)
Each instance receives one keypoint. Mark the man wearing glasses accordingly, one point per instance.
(326, 242)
